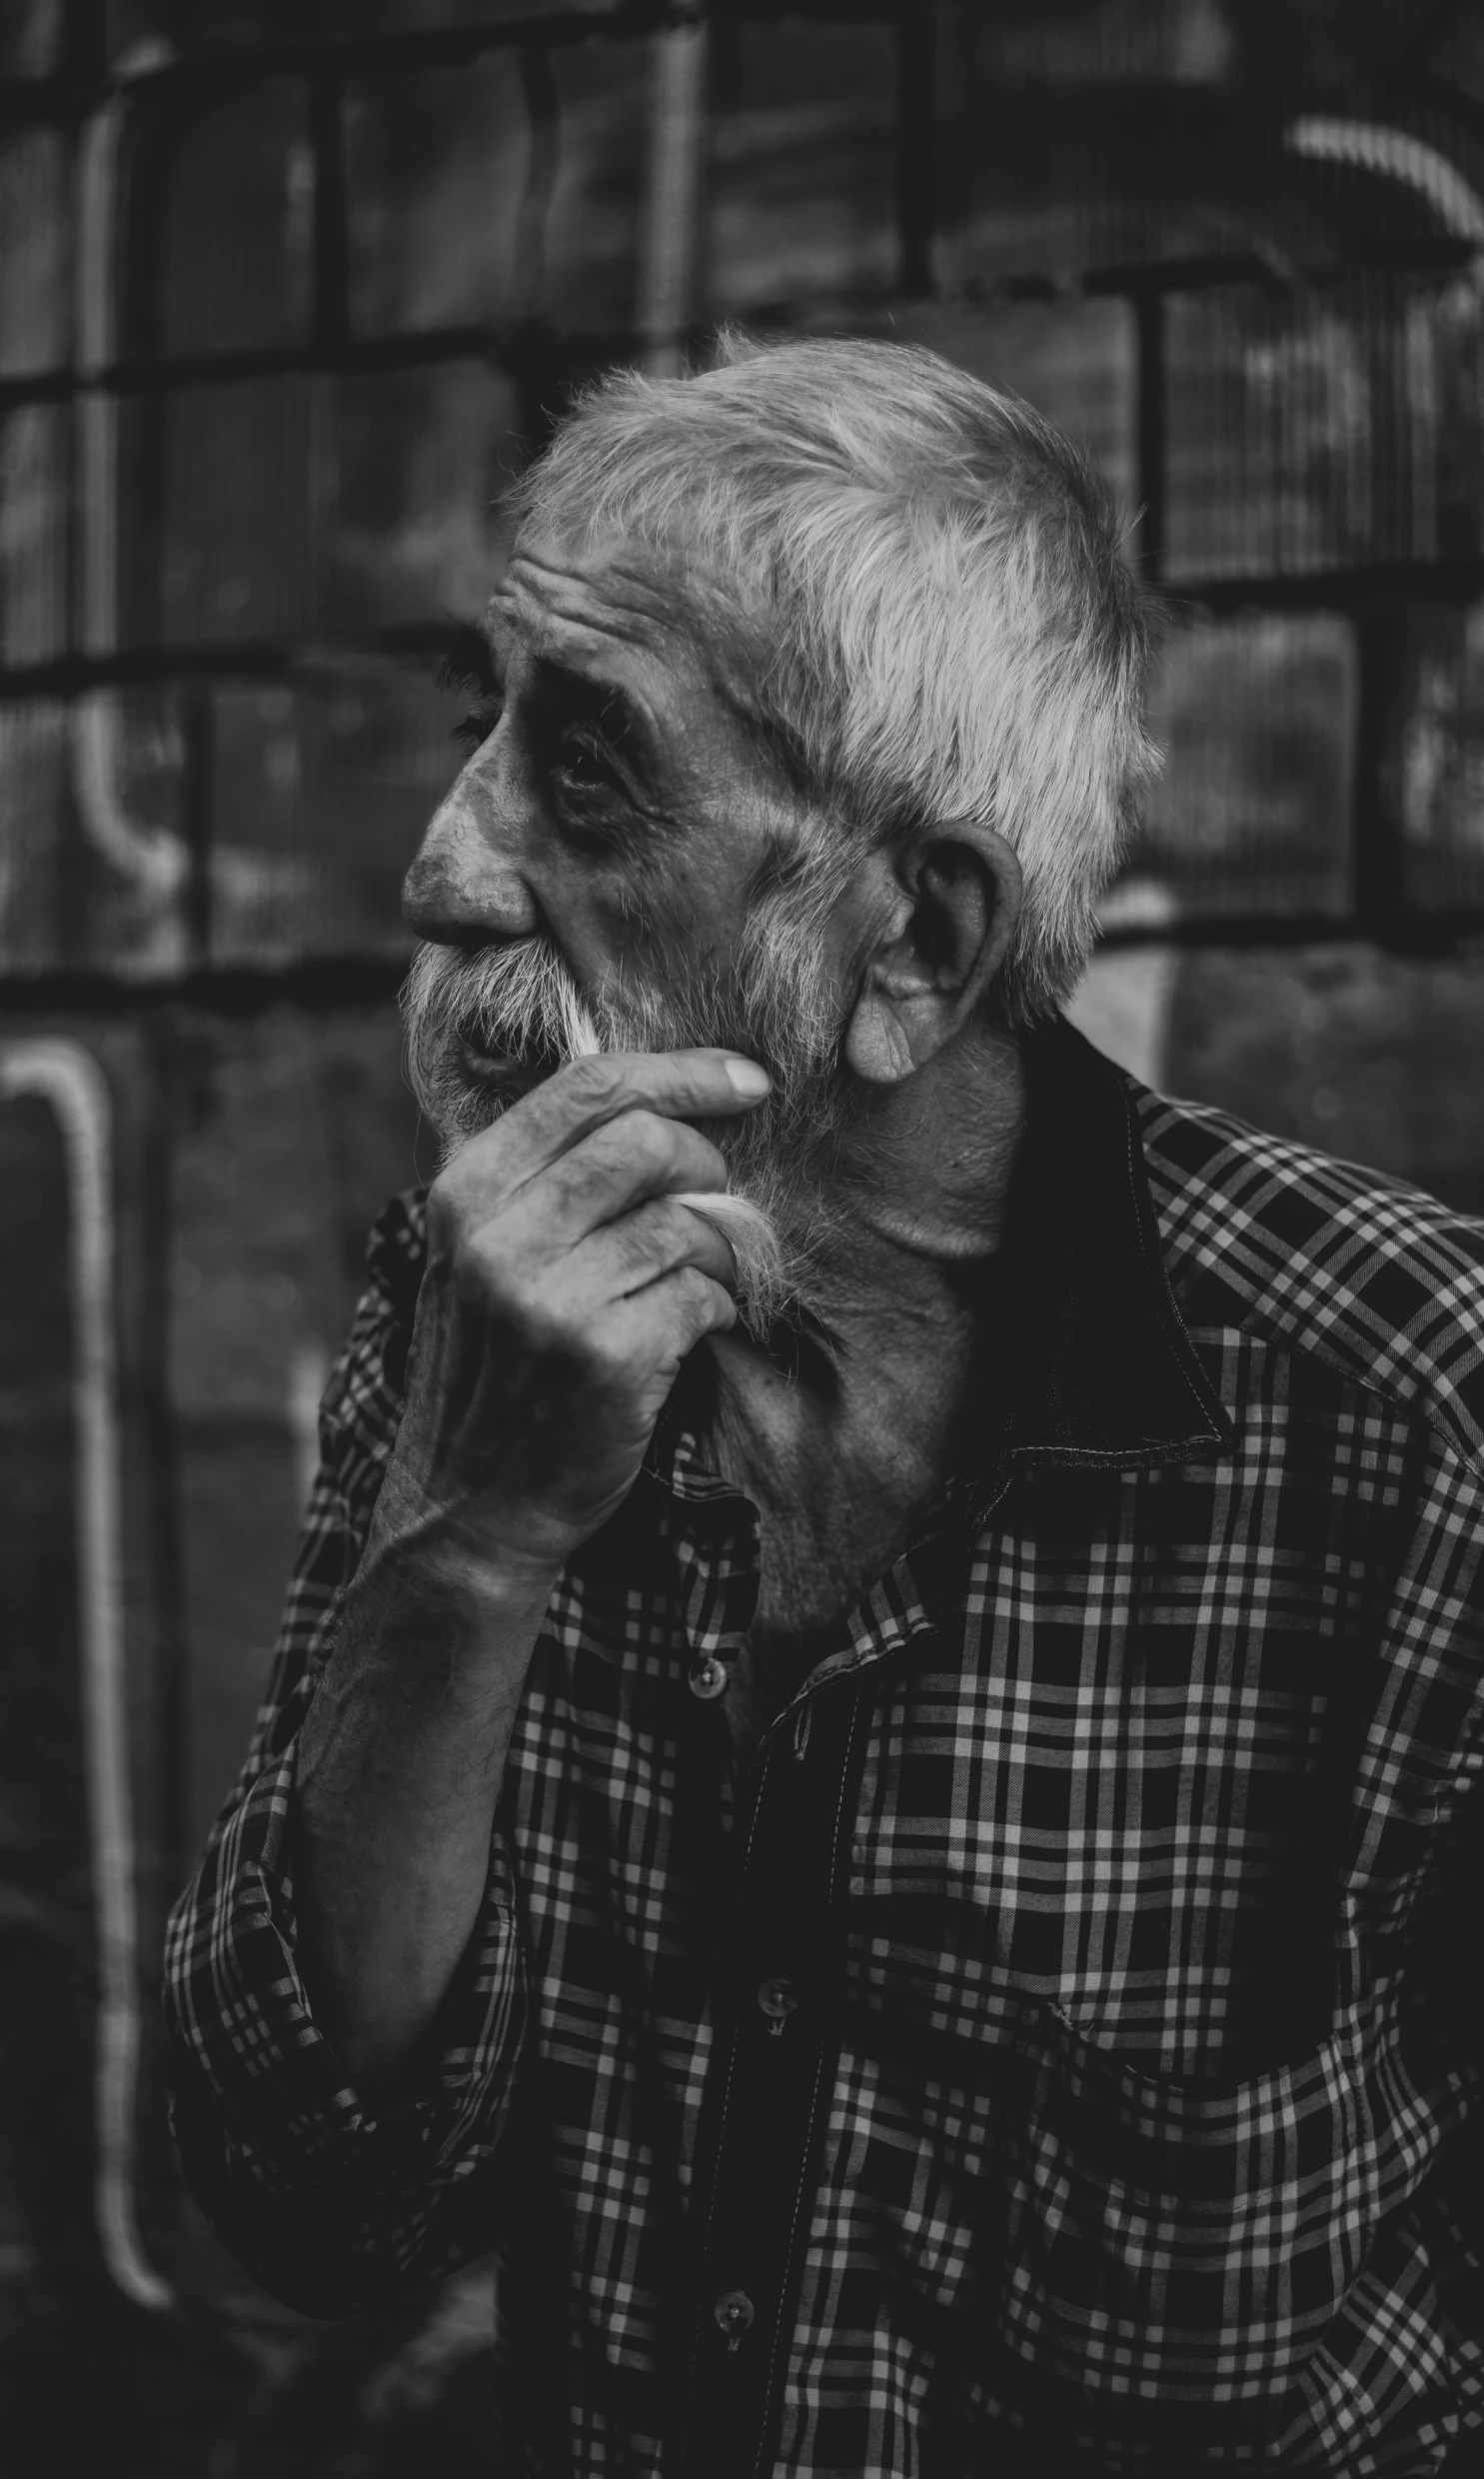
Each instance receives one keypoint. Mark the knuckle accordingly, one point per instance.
(595, 1081)
(650, 1236)
(632, 1145)
(578, 1180)
(672, 1227)
(649, 1137)
(696, 1289)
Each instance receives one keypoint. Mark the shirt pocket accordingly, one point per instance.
(1180, 2237)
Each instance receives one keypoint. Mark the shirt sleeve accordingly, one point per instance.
(328, 2203)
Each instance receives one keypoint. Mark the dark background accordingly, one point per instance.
(287, 293)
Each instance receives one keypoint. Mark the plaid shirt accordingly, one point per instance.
(1059, 2049)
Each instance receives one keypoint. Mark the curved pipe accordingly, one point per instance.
(1394, 155)
(69, 1079)
(151, 858)
(669, 213)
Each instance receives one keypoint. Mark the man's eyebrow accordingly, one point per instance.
(472, 658)
(604, 700)
(497, 626)
(605, 704)
(573, 654)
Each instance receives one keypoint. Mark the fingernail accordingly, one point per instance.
(748, 1079)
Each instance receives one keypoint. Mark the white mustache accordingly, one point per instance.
(502, 999)
(524, 1000)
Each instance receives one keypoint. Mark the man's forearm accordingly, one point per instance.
(565, 1283)
(399, 1765)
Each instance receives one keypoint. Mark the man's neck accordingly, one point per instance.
(843, 1444)
(911, 1214)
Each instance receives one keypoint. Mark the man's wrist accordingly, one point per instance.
(444, 1568)
(455, 1550)
(429, 1585)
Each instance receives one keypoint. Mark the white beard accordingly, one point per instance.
(519, 1003)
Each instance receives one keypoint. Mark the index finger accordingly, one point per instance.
(554, 1116)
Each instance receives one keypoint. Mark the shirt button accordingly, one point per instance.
(709, 1679)
(734, 2313)
(778, 2001)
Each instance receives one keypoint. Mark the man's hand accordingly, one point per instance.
(563, 1289)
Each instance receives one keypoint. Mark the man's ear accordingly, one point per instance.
(955, 900)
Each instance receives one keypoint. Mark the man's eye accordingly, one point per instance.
(584, 762)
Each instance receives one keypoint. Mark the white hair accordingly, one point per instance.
(950, 624)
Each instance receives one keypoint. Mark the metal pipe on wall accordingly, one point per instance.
(152, 859)
(669, 208)
(65, 1074)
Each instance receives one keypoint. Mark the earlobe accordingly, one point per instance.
(876, 1045)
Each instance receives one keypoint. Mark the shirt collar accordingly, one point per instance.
(1087, 1360)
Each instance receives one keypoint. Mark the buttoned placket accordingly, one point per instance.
(772, 2070)
(779, 2002)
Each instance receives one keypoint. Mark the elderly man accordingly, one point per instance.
(870, 1771)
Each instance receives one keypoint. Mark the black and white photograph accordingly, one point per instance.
(741, 1239)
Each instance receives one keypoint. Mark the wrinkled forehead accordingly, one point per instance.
(597, 597)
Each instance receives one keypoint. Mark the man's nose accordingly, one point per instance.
(467, 883)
